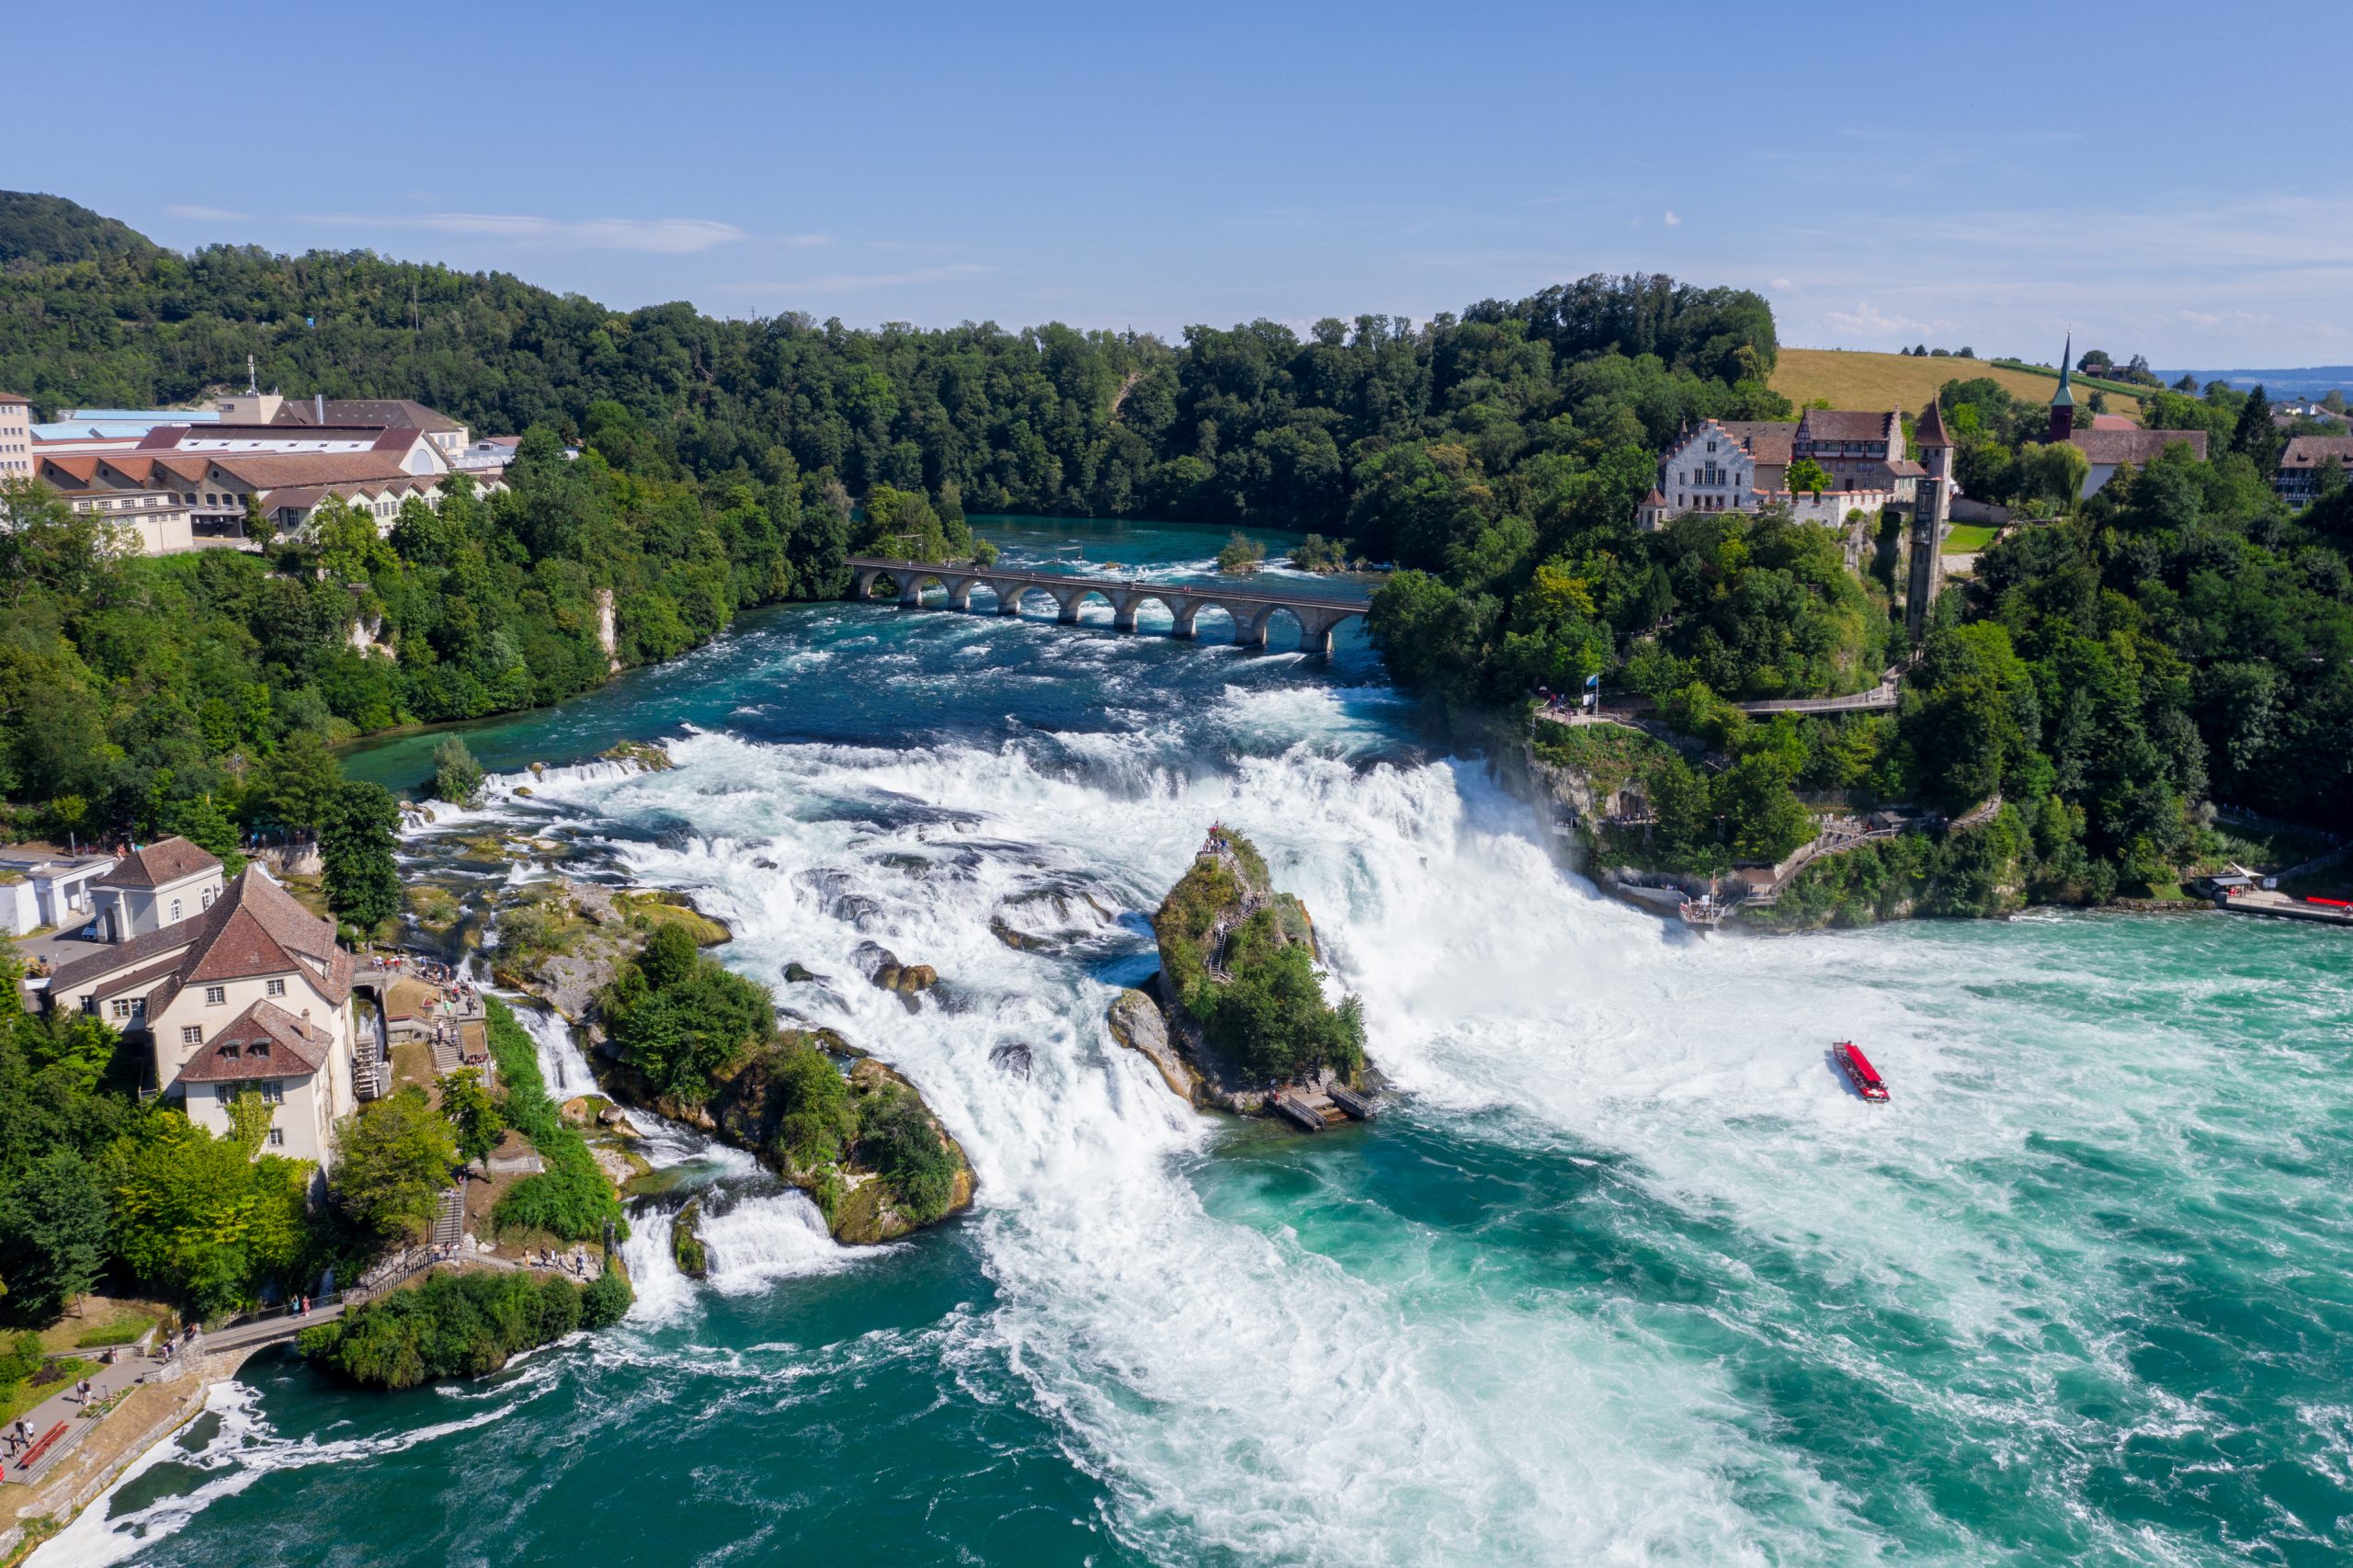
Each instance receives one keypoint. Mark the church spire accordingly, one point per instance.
(2063, 402)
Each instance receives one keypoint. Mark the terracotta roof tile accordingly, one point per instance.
(2135, 445)
(263, 1041)
(1768, 440)
(1847, 425)
(2311, 451)
(253, 928)
(165, 861)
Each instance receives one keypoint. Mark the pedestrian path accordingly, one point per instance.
(59, 1422)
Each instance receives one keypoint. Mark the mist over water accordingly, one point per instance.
(1624, 1273)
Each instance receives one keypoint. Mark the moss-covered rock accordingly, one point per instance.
(643, 754)
(1243, 1000)
(685, 1242)
(651, 909)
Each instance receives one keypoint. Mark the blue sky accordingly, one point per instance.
(2166, 179)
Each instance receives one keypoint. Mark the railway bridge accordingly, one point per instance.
(1318, 615)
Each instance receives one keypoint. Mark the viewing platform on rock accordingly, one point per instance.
(1317, 615)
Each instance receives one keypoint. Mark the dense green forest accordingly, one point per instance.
(2177, 640)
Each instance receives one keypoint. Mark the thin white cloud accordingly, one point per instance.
(663, 237)
(1672, 220)
(208, 214)
(1782, 283)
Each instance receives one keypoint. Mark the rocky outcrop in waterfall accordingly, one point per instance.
(1241, 1022)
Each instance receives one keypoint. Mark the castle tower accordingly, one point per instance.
(2063, 402)
(1931, 510)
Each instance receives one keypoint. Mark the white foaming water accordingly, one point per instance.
(1235, 1391)
(561, 1065)
(241, 1451)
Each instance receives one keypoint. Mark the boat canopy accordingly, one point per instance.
(1862, 1063)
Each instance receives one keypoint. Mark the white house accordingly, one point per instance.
(15, 436)
(39, 887)
(149, 889)
(252, 993)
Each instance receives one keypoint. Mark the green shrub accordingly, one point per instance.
(606, 1300)
(898, 1139)
(682, 1019)
(458, 1325)
(572, 1199)
(818, 1119)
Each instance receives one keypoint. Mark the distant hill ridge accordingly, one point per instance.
(49, 230)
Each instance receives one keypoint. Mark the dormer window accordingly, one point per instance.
(261, 1047)
(274, 988)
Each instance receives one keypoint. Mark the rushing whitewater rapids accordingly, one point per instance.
(1625, 1274)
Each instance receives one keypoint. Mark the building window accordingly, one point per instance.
(193, 1034)
(206, 901)
(272, 1092)
(176, 909)
(214, 996)
(278, 1138)
(277, 988)
(122, 1007)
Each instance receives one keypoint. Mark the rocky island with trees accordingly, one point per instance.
(1241, 1016)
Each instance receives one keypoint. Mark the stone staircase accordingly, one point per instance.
(449, 1221)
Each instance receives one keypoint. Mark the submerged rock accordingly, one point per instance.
(1052, 920)
(797, 973)
(1012, 1056)
(882, 967)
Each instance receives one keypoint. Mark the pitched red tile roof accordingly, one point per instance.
(1848, 424)
(137, 980)
(82, 469)
(2311, 451)
(263, 1041)
(1930, 430)
(165, 861)
(302, 497)
(12, 397)
(271, 471)
(399, 411)
(1768, 440)
(2113, 447)
(253, 928)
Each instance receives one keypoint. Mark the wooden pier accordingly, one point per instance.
(2275, 905)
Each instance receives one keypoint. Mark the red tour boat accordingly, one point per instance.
(1859, 1070)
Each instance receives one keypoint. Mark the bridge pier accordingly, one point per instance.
(1068, 599)
(1008, 597)
(1315, 632)
(910, 594)
(1185, 609)
(1252, 633)
(1124, 610)
(959, 592)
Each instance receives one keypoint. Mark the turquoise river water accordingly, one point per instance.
(1624, 1273)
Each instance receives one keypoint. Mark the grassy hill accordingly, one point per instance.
(48, 231)
(1852, 380)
